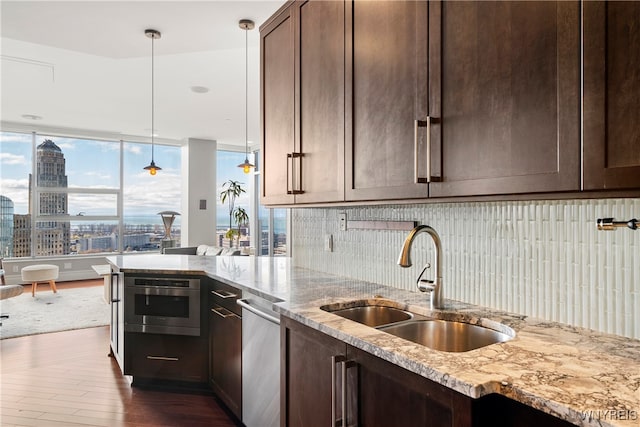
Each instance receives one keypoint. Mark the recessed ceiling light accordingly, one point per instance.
(199, 89)
(31, 117)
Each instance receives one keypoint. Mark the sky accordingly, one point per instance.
(94, 164)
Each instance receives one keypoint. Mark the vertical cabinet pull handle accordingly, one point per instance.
(416, 176)
(293, 156)
(345, 364)
(334, 362)
(289, 156)
(418, 124)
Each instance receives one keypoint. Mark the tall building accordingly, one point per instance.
(6, 227)
(22, 235)
(52, 237)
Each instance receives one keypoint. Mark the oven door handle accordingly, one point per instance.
(246, 305)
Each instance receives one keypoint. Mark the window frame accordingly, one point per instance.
(36, 191)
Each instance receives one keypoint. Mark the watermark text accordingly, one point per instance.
(611, 414)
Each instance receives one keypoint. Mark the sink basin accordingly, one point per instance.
(444, 335)
(372, 315)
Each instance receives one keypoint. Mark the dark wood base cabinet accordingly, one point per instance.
(325, 380)
(225, 345)
(166, 357)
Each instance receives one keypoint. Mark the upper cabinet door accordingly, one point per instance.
(320, 103)
(387, 81)
(611, 95)
(303, 104)
(277, 60)
(505, 96)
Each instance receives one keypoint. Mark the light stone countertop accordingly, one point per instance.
(584, 377)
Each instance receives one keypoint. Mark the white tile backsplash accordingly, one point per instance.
(539, 258)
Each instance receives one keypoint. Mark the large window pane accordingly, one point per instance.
(273, 224)
(15, 168)
(77, 194)
(71, 176)
(77, 162)
(263, 223)
(94, 237)
(146, 195)
(279, 232)
(227, 169)
(93, 204)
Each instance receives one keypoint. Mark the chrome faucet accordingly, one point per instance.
(425, 285)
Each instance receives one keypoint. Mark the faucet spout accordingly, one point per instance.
(424, 285)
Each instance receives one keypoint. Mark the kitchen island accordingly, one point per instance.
(574, 374)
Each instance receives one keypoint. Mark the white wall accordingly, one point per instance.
(198, 226)
(70, 268)
(539, 258)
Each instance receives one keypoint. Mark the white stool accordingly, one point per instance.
(40, 273)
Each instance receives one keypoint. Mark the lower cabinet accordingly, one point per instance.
(116, 325)
(370, 391)
(325, 381)
(225, 345)
(308, 375)
(165, 357)
(385, 394)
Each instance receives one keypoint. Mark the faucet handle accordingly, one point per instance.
(425, 285)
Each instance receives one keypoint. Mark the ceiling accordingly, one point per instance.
(86, 66)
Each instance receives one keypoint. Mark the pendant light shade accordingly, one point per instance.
(152, 34)
(246, 25)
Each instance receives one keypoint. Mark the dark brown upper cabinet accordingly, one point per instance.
(303, 104)
(386, 94)
(278, 105)
(393, 100)
(504, 97)
(611, 95)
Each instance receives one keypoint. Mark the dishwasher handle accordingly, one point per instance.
(246, 305)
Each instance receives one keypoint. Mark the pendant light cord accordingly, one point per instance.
(246, 93)
(152, 94)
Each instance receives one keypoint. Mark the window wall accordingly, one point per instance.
(15, 167)
(272, 224)
(145, 195)
(79, 196)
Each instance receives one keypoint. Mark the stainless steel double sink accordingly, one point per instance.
(437, 334)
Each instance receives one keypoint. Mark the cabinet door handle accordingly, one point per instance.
(417, 124)
(224, 295)
(294, 156)
(334, 362)
(217, 311)
(169, 359)
(343, 366)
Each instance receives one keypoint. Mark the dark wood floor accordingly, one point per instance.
(67, 379)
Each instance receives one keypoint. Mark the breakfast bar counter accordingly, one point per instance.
(578, 375)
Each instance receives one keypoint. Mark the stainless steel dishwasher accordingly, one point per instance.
(260, 363)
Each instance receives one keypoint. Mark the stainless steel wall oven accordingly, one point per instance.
(162, 305)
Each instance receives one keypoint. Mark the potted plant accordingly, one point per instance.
(230, 191)
(242, 218)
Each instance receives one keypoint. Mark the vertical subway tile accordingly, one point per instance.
(538, 258)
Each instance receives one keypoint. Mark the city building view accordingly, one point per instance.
(51, 218)
(66, 202)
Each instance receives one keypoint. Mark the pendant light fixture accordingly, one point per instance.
(246, 25)
(152, 34)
